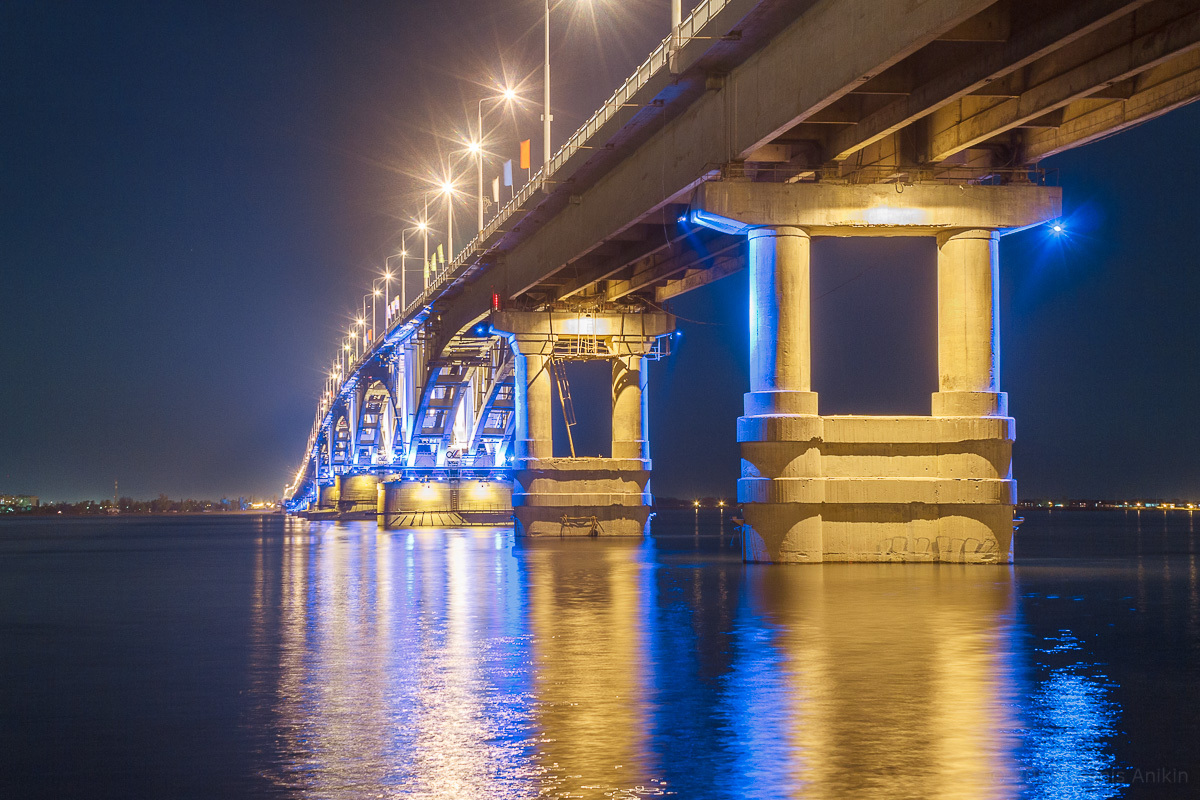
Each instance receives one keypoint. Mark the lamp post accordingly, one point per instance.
(387, 282)
(376, 292)
(423, 225)
(423, 228)
(546, 96)
(476, 147)
(676, 21)
(447, 188)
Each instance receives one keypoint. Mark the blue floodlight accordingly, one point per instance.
(717, 223)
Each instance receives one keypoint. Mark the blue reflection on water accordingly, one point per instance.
(1071, 720)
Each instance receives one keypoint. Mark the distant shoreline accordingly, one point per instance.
(232, 513)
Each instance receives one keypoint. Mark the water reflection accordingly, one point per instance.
(893, 682)
(402, 666)
(1071, 720)
(588, 606)
(460, 663)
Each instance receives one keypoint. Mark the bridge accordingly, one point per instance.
(752, 128)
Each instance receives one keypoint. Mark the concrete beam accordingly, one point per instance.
(551, 325)
(1112, 64)
(1167, 87)
(1026, 46)
(879, 209)
(721, 268)
(661, 270)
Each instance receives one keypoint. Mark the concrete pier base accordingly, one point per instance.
(858, 488)
(358, 493)
(328, 494)
(559, 497)
(444, 503)
(818, 489)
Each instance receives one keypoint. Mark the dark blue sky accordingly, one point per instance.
(194, 196)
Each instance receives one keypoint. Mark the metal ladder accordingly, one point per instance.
(558, 368)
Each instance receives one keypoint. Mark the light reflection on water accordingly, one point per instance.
(459, 663)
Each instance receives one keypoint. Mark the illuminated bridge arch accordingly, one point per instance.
(464, 417)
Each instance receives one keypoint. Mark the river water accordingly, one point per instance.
(218, 657)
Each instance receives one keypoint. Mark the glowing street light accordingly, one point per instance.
(376, 293)
(546, 96)
(507, 95)
(446, 187)
(423, 227)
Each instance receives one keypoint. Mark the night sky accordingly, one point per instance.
(194, 197)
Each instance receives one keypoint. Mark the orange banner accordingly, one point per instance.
(525, 154)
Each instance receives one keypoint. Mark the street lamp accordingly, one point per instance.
(376, 293)
(546, 97)
(387, 282)
(403, 256)
(507, 95)
(447, 188)
(423, 227)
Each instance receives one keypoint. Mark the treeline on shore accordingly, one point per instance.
(159, 505)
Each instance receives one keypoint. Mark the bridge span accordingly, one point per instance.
(754, 128)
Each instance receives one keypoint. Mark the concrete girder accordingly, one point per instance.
(721, 267)
(1024, 47)
(1156, 91)
(955, 127)
(657, 270)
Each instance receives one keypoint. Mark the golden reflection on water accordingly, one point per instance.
(586, 610)
(453, 664)
(897, 679)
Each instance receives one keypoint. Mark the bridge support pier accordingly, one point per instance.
(328, 494)
(875, 488)
(565, 496)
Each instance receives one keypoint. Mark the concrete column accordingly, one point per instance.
(534, 407)
(968, 326)
(780, 323)
(630, 408)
